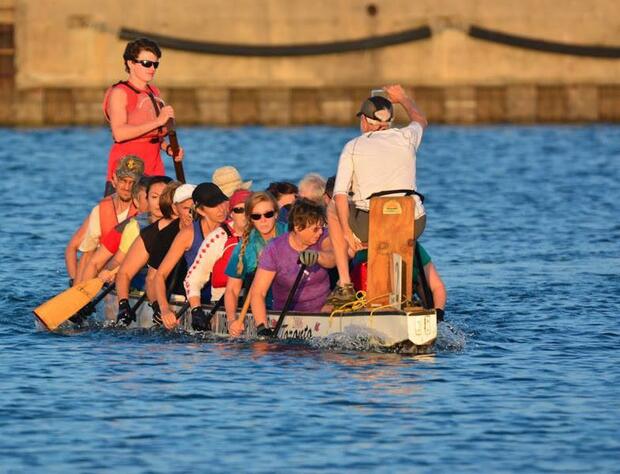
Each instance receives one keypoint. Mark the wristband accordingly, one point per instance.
(440, 313)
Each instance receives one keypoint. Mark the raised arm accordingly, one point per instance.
(397, 95)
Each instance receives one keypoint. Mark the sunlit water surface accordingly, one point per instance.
(524, 226)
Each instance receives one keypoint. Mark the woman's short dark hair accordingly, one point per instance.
(156, 179)
(135, 47)
(165, 199)
(305, 213)
(278, 188)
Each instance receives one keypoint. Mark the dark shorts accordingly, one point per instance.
(358, 221)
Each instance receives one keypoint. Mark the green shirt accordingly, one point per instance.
(362, 256)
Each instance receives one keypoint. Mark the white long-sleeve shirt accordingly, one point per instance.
(380, 161)
(210, 251)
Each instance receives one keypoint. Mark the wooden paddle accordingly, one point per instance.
(289, 300)
(61, 307)
(174, 144)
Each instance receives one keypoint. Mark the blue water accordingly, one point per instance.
(524, 227)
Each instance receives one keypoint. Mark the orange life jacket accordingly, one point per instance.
(107, 214)
(142, 106)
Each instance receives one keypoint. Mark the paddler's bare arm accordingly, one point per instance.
(71, 250)
(436, 284)
(108, 273)
(136, 258)
(397, 95)
(181, 243)
(342, 209)
(121, 130)
(327, 258)
(97, 262)
(231, 297)
(260, 287)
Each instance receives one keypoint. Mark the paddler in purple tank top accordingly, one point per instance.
(306, 243)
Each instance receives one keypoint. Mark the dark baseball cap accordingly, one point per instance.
(373, 105)
(209, 195)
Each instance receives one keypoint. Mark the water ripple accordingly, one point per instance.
(523, 226)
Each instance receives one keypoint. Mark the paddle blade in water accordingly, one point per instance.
(61, 307)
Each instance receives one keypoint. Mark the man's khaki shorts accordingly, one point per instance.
(358, 221)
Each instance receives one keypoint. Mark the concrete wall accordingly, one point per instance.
(67, 52)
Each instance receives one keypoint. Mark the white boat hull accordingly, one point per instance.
(415, 330)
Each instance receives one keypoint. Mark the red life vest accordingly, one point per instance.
(107, 214)
(218, 275)
(142, 106)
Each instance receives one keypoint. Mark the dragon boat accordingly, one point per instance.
(411, 330)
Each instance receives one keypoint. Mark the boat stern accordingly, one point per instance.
(422, 327)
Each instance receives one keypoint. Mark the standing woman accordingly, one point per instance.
(261, 211)
(136, 112)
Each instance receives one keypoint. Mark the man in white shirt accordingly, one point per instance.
(381, 159)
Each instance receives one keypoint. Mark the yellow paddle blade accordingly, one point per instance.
(61, 307)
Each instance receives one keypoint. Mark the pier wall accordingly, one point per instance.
(57, 58)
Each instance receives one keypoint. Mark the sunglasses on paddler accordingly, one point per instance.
(238, 210)
(146, 63)
(266, 215)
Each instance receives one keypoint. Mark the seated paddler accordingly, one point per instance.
(307, 243)
(262, 225)
(210, 262)
(211, 206)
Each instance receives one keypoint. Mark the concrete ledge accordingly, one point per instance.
(523, 103)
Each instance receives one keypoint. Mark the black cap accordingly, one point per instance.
(374, 104)
(208, 194)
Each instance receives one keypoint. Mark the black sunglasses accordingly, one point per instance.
(238, 210)
(266, 215)
(146, 63)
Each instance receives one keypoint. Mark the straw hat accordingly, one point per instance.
(229, 180)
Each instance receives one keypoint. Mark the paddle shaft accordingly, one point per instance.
(247, 284)
(289, 300)
(136, 306)
(174, 144)
(107, 289)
